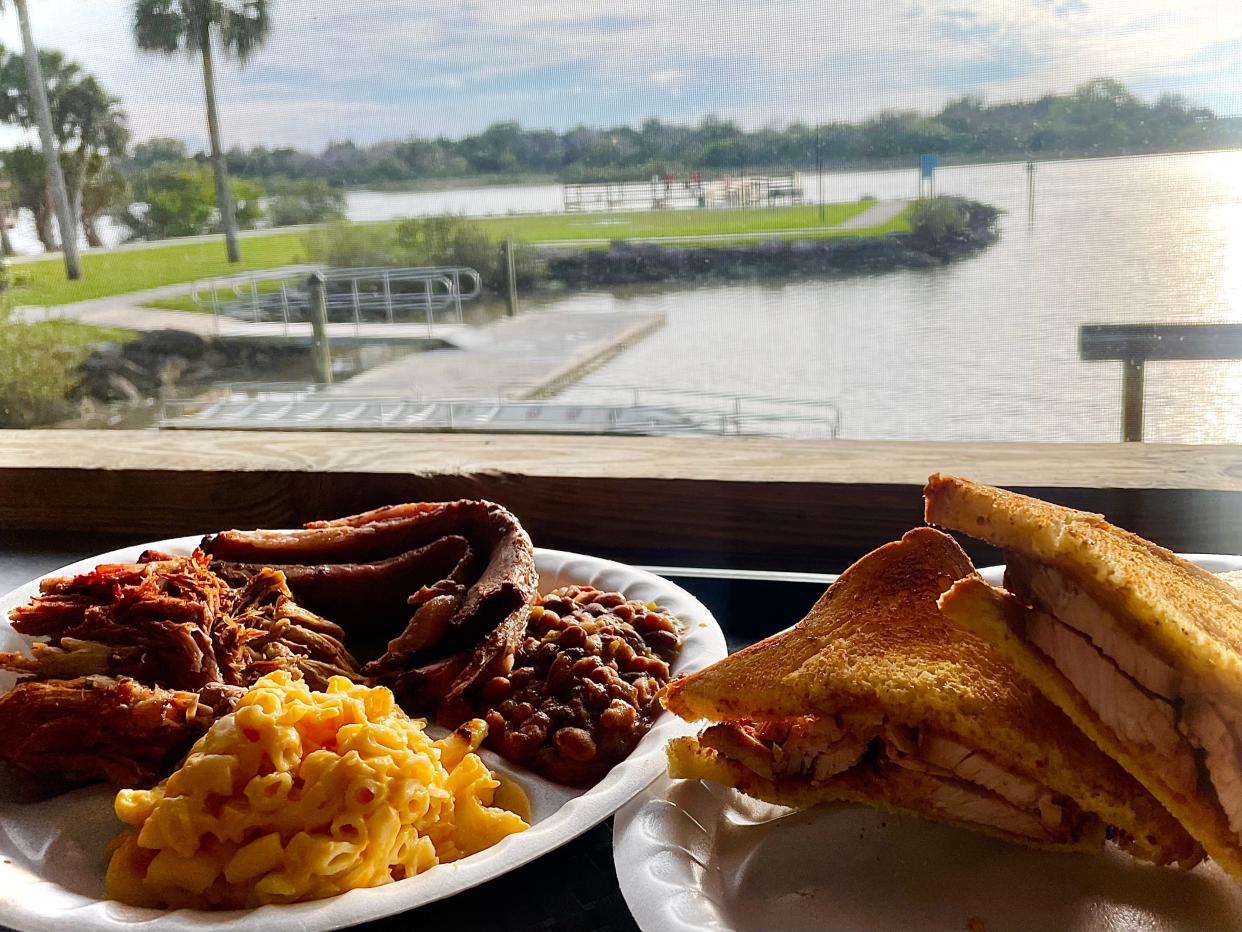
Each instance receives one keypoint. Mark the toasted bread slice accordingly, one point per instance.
(876, 641)
(1190, 618)
(1000, 618)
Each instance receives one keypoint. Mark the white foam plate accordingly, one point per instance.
(694, 856)
(52, 851)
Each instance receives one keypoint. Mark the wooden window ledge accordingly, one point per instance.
(742, 502)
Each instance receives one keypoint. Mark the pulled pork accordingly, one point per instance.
(438, 593)
(97, 727)
(140, 658)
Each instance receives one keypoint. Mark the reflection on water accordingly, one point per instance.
(985, 348)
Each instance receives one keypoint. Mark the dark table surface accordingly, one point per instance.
(574, 887)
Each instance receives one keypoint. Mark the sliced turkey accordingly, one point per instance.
(1060, 597)
(1222, 755)
(969, 786)
(967, 803)
(1138, 718)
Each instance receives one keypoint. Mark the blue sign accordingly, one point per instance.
(927, 165)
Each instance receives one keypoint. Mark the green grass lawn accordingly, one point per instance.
(643, 223)
(43, 282)
(66, 333)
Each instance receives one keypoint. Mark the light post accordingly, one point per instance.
(819, 174)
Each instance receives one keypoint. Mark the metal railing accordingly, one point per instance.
(737, 413)
(357, 295)
(338, 412)
(255, 405)
(726, 190)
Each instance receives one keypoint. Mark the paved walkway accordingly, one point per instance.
(110, 313)
(128, 311)
(879, 213)
(520, 358)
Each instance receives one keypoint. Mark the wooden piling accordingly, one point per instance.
(511, 300)
(1132, 401)
(321, 351)
(1135, 345)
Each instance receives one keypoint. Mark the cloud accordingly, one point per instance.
(669, 77)
(375, 69)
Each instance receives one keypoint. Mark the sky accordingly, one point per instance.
(387, 69)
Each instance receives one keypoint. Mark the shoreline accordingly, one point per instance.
(899, 163)
(501, 182)
(634, 263)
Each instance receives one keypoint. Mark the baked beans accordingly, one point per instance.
(583, 688)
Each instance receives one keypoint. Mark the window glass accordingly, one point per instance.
(991, 220)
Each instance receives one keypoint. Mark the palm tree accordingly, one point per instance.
(170, 26)
(88, 124)
(43, 117)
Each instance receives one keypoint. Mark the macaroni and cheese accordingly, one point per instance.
(299, 795)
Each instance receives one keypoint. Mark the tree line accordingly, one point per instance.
(158, 189)
(1099, 117)
(81, 169)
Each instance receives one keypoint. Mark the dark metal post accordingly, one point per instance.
(1132, 401)
(321, 351)
(511, 300)
(427, 307)
(819, 175)
(1030, 189)
(357, 299)
(284, 305)
(215, 306)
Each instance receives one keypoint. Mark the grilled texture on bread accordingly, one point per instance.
(1000, 618)
(876, 641)
(1189, 617)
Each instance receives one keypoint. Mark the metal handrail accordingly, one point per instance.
(827, 411)
(369, 288)
(370, 411)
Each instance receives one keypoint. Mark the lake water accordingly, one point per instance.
(985, 348)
